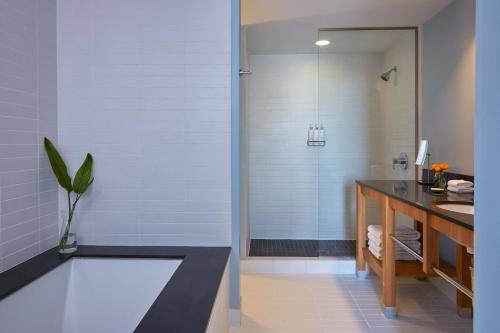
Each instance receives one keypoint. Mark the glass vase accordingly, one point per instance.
(439, 180)
(67, 239)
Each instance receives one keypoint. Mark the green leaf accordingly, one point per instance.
(83, 177)
(58, 166)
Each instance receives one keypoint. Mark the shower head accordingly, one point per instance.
(387, 75)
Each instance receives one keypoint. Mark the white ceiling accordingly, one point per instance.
(291, 26)
(346, 12)
(359, 41)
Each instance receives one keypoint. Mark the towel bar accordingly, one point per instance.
(407, 248)
(469, 293)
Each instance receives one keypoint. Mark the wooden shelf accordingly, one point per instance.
(403, 267)
(412, 268)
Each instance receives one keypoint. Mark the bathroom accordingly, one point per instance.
(218, 165)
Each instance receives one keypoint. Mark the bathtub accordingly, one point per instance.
(88, 295)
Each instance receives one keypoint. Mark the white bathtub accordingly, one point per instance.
(87, 295)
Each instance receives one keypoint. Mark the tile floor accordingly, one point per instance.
(301, 248)
(341, 303)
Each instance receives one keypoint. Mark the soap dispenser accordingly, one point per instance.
(310, 133)
(316, 133)
(321, 134)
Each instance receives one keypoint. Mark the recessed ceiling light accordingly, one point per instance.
(323, 42)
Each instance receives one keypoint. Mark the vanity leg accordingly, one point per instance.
(430, 246)
(361, 270)
(389, 260)
(463, 263)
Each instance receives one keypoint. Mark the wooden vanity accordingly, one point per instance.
(417, 202)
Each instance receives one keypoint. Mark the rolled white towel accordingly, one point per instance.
(460, 183)
(461, 190)
(415, 246)
(406, 231)
(402, 232)
(375, 229)
(405, 238)
(399, 256)
(374, 238)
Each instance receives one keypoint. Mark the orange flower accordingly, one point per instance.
(439, 167)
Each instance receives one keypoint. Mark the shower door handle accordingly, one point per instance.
(245, 72)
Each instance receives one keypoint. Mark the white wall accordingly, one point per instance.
(281, 103)
(448, 76)
(146, 88)
(487, 164)
(28, 112)
(395, 120)
(397, 107)
(348, 108)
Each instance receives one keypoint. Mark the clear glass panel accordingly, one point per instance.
(281, 103)
(368, 121)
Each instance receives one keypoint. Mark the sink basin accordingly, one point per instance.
(457, 207)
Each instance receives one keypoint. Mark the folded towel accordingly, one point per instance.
(410, 241)
(375, 239)
(380, 254)
(460, 183)
(402, 232)
(460, 189)
(399, 249)
(399, 256)
(378, 238)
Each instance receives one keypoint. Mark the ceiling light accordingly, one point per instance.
(323, 42)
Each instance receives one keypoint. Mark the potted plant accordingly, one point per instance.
(75, 189)
(439, 177)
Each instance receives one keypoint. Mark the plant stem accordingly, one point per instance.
(71, 210)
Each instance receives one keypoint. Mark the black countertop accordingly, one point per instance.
(420, 196)
(183, 306)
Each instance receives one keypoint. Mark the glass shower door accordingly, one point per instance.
(281, 102)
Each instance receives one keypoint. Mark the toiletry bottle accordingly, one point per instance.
(316, 133)
(310, 133)
(321, 134)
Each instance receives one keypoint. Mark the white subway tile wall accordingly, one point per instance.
(28, 112)
(281, 103)
(146, 89)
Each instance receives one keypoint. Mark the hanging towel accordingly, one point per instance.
(460, 183)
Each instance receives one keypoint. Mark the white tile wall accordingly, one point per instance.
(348, 111)
(28, 90)
(396, 109)
(146, 88)
(303, 192)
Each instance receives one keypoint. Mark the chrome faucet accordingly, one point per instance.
(402, 161)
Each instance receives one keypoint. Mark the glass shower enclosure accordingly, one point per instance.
(313, 122)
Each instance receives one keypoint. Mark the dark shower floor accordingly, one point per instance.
(301, 248)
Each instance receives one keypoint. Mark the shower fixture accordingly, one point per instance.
(387, 75)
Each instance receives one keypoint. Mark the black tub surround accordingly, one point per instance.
(412, 193)
(183, 306)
